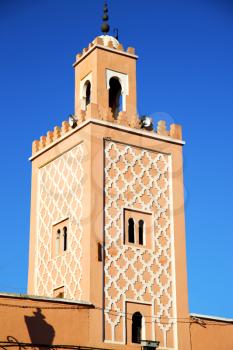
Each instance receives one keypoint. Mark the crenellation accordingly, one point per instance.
(120, 47)
(65, 127)
(131, 50)
(110, 44)
(78, 56)
(93, 111)
(49, 138)
(57, 132)
(42, 142)
(35, 146)
(176, 131)
(98, 41)
(161, 128)
(85, 50)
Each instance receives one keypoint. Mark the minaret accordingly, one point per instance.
(107, 208)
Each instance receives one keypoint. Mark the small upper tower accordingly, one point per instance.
(105, 76)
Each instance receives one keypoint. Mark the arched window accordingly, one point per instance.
(141, 231)
(136, 327)
(115, 99)
(131, 230)
(64, 238)
(58, 235)
(88, 93)
(85, 94)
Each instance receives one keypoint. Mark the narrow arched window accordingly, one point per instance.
(88, 93)
(136, 327)
(58, 235)
(64, 238)
(131, 230)
(141, 231)
(115, 100)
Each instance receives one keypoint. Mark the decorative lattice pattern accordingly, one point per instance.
(60, 196)
(137, 179)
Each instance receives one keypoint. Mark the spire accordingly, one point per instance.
(105, 26)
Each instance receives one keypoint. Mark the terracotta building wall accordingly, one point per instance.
(211, 334)
(42, 322)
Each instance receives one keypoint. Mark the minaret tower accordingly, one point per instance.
(107, 208)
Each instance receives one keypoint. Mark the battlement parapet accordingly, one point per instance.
(108, 42)
(94, 112)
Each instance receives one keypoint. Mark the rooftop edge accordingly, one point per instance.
(46, 299)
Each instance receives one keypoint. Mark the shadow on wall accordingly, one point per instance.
(41, 333)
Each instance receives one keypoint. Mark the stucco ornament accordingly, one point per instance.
(61, 195)
(138, 179)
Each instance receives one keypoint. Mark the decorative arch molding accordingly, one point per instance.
(124, 81)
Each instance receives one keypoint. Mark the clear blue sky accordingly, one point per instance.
(185, 74)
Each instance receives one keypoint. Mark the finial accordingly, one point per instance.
(105, 26)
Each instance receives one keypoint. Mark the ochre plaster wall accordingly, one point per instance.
(211, 335)
(28, 321)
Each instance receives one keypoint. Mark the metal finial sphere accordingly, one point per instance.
(105, 26)
(105, 17)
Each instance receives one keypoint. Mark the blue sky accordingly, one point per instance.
(185, 74)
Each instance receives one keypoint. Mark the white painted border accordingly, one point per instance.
(37, 210)
(173, 253)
